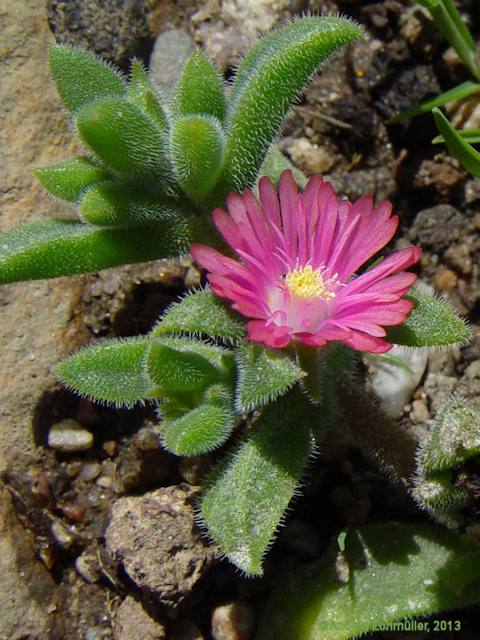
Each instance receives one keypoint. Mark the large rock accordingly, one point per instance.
(132, 621)
(35, 315)
(155, 539)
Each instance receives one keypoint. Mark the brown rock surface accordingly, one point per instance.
(155, 539)
(34, 315)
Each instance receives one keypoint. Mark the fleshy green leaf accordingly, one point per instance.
(123, 136)
(110, 371)
(276, 163)
(219, 357)
(268, 81)
(197, 146)
(202, 429)
(457, 93)
(454, 438)
(432, 323)
(69, 179)
(263, 375)
(458, 147)
(51, 248)
(143, 93)
(248, 493)
(438, 493)
(201, 313)
(199, 89)
(326, 371)
(118, 204)
(81, 77)
(390, 572)
(175, 371)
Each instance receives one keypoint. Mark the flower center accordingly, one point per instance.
(306, 282)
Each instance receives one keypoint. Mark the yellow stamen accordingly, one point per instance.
(306, 282)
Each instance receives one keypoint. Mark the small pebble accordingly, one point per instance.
(90, 471)
(110, 447)
(147, 439)
(105, 481)
(96, 633)
(69, 436)
(87, 566)
(74, 512)
(63, 537)
(233, 621)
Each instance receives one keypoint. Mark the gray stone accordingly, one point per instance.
(171, 50)
(394, 383)
(87, 566)
(155, 539)
(69, 436)
(132, 621)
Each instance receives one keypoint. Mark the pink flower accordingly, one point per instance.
(299, 254)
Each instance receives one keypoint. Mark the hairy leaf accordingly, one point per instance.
(123, 136)
(432, 323)
(202, 429)
(276, 163)
(81, 77)
(110, 371)
(454, 438)
(199, 89)
(438, 493)
(388, 572)
(118, 204)
(268, 81)
(143, 93)
(263, 375)
(220, 357)
(248, 492)
(174, 371)
(197, 146)
(464, 152)
(51, 248)
(68, 180)
(201, 313)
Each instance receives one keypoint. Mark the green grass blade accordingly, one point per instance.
(449, 21)
(472, 136)
(457, 93)
(51, 248)
(458, 147)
